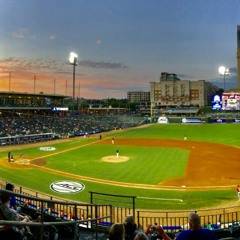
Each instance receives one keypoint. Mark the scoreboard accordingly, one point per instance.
(231, 101)
(226, 101)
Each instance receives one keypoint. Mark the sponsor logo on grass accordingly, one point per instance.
(67, 187)
(47, 148)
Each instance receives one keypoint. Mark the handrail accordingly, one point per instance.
(96, 213)
(172, 219)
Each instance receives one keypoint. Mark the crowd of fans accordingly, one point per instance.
(60, 127)
(129, 231)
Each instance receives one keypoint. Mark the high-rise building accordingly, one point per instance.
(170, 91)
(138, 96)
(237, 88)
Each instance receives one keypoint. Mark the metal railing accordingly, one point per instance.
(217, 218)
(59, 213)
(60, 209)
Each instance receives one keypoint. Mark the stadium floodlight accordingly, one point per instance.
(73, 61)
(223, 72)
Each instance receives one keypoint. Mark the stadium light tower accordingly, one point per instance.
(73, 61)
(223, 72)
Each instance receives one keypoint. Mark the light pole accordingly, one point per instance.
(9, 81)
(73, 61)
(34, 84)
(223, 72)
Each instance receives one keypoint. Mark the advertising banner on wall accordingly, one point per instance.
(163, 120)
(191, 120)
(219, 120)
(236, 120)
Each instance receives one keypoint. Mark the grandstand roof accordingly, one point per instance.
(32, 94)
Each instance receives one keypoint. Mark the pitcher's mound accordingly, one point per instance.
(115, 159)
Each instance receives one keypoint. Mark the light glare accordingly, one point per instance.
(223, 71)
(73, 58)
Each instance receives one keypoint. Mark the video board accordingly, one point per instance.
(231, 101)
(216, 102)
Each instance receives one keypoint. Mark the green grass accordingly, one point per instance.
(146, 165)
(85, 161)
(219, 133)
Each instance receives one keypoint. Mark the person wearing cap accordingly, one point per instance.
(13, 201)
(130, 228)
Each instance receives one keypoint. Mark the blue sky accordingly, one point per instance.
(122, 45)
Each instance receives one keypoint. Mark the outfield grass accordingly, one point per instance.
(146, 165)
(219, 133)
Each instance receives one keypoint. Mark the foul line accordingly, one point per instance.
(163, 199)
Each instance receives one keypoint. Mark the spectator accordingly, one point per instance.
(117, 232)
(195, 232)
(11, 215)
(156, 232)
(130, 228)
(13, 201)
(151, 229)
(141, 236)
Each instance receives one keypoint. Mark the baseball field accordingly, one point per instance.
(152, 162)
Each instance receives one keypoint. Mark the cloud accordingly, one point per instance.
(99, 42)
(52, 37)
(104, 65)
(21, 33)
(184, 76)
(20, 65)
(233, 70)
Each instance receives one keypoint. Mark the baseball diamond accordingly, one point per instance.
(210, 168)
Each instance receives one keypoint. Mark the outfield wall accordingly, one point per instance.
(195, 120)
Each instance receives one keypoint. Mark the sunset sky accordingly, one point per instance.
(122, 45)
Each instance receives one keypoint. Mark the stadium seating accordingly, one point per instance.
(63, 223)
(21, 130)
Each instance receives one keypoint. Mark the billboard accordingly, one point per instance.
(162, 120)
(216, 102)
(191, 120)
(231, 101)
(60, 109)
